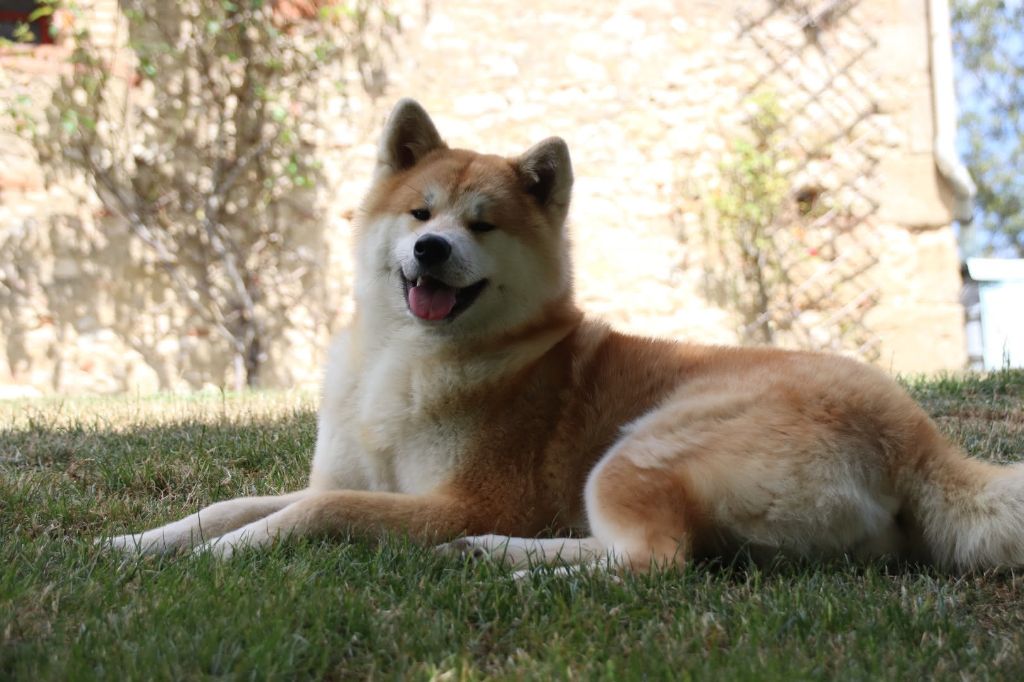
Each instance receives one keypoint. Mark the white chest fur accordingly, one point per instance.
(384, 427)
(410, 442)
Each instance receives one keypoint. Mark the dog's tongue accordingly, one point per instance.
(431, 301)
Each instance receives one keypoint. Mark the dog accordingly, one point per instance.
(472, 405)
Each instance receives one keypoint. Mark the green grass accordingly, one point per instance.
(73, 470)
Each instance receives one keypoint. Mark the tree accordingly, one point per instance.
(988, 44)
(203, 143)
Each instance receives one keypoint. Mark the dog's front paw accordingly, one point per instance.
(476, 547)
(151, 542)
(224, 547)
(462, 548)
(229, 544)
(131, 543)
(217, 548)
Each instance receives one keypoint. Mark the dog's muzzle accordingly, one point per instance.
(427, 294)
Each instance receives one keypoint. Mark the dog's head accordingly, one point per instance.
(458, 242)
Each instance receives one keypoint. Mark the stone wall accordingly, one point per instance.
(648, 96)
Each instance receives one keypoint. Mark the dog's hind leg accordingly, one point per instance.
(644, 517)
(210, 522)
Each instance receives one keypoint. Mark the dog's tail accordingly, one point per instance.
(968, 514)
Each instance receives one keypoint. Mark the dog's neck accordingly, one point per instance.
(479, 357)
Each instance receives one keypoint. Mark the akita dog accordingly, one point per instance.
(470, 402)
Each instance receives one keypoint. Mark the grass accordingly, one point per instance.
(72, 470)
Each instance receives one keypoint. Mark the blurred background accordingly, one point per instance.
(178, 181)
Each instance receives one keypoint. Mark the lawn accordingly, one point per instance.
(72, 470)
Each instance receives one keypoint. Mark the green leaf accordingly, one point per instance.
(23, 34)
(40, 12)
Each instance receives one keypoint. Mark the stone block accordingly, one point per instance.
(919, 121)
(919, 339)
(912, 193)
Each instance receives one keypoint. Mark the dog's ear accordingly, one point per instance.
(545, 172)
(409, 135)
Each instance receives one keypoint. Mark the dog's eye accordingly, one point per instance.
(421, 214)
(481, 226)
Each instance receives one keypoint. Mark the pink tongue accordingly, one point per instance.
(431, 302)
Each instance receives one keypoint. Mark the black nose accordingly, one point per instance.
(431, 250)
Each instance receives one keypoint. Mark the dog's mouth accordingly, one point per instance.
(433, 300)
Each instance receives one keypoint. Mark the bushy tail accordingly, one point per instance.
(970, 513)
